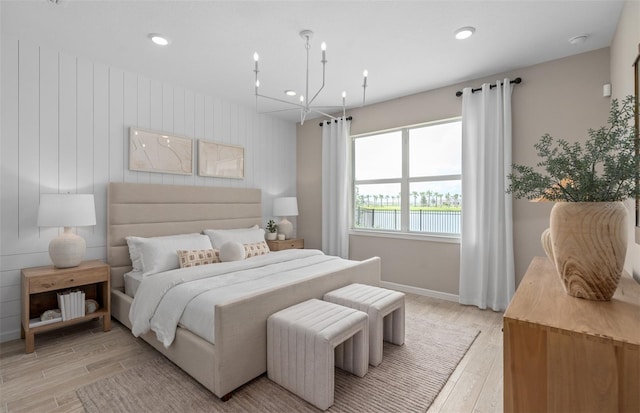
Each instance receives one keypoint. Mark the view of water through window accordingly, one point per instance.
(418, 167)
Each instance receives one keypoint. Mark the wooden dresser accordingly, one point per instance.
(566, 354)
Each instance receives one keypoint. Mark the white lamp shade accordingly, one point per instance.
(285, 207)
(66, 210)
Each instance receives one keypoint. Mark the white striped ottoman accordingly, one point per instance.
(386, 314)
(304, 344)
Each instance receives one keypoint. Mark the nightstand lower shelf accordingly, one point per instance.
(30, 336)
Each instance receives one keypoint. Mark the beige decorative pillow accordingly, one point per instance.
(255, 249)
(193, 258)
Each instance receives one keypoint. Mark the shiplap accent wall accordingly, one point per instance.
(65, 128)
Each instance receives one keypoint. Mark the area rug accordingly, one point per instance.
(408, 380)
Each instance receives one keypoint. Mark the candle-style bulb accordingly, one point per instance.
(344, 94)
(301, 98)
(323, 46)
(257, 82)
(365, 73)
(255, 56)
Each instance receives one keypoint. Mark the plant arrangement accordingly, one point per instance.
(605, 169)
(271, 226)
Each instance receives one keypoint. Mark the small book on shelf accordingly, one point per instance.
(73, 296)
(67, 305)
(61, 305)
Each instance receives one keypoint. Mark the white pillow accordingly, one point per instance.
(232, 251)
(243, 236)
(160, 253)
(134, 244)
(134, 252)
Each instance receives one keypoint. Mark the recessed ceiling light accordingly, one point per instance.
(158, 39)
(465, 32)
(290, 92)
(581, 38)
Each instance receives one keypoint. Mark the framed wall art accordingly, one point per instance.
(152, 151)
(220, 160)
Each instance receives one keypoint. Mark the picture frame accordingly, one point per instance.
(155, 151)
(220, 160)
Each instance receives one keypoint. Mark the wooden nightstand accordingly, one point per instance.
(40, 286)
(286, 244)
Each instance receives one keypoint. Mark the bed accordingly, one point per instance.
(239, 352)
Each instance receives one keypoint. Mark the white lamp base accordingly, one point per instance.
(67, 250)
(285, 227)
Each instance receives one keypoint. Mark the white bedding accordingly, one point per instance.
(188, 296)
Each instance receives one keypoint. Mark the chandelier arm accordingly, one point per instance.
(306, 92)
(277, 111)
(321, 87)
(315, 108)
(317, 93)
(281, 100)
(323, 113)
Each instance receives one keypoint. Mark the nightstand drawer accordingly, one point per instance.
(68, 280)
(286, 244)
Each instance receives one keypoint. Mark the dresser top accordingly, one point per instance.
(540, 299)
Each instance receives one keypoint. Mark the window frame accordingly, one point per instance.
(404, 232)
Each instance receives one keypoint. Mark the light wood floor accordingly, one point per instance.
(45, 380)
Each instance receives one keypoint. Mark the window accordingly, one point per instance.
(409, 180)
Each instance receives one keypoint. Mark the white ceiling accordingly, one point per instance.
(407, 46)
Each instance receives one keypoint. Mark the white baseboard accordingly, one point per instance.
(419, 291)
(9, 335)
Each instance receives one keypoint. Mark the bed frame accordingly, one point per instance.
(239, 354)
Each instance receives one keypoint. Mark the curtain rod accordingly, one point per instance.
(335, 120)
(517, 81)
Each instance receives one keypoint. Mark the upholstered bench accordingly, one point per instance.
(306, 341)
(386, 314)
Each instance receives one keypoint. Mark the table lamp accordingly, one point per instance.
(67, 210)
(285, 207)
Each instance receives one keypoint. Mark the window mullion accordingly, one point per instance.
(404, 184)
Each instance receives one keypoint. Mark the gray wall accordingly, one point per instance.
(561, 97)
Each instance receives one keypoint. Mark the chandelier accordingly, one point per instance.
(304, 104)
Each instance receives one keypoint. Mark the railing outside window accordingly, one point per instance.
(421, 220)
(409, 179)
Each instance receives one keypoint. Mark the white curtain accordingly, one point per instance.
(486, 251)
(335, 187)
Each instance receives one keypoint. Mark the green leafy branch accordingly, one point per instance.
(605, 169)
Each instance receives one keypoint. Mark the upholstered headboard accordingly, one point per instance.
(151, 210)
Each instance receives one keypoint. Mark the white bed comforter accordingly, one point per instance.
(188, 296)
